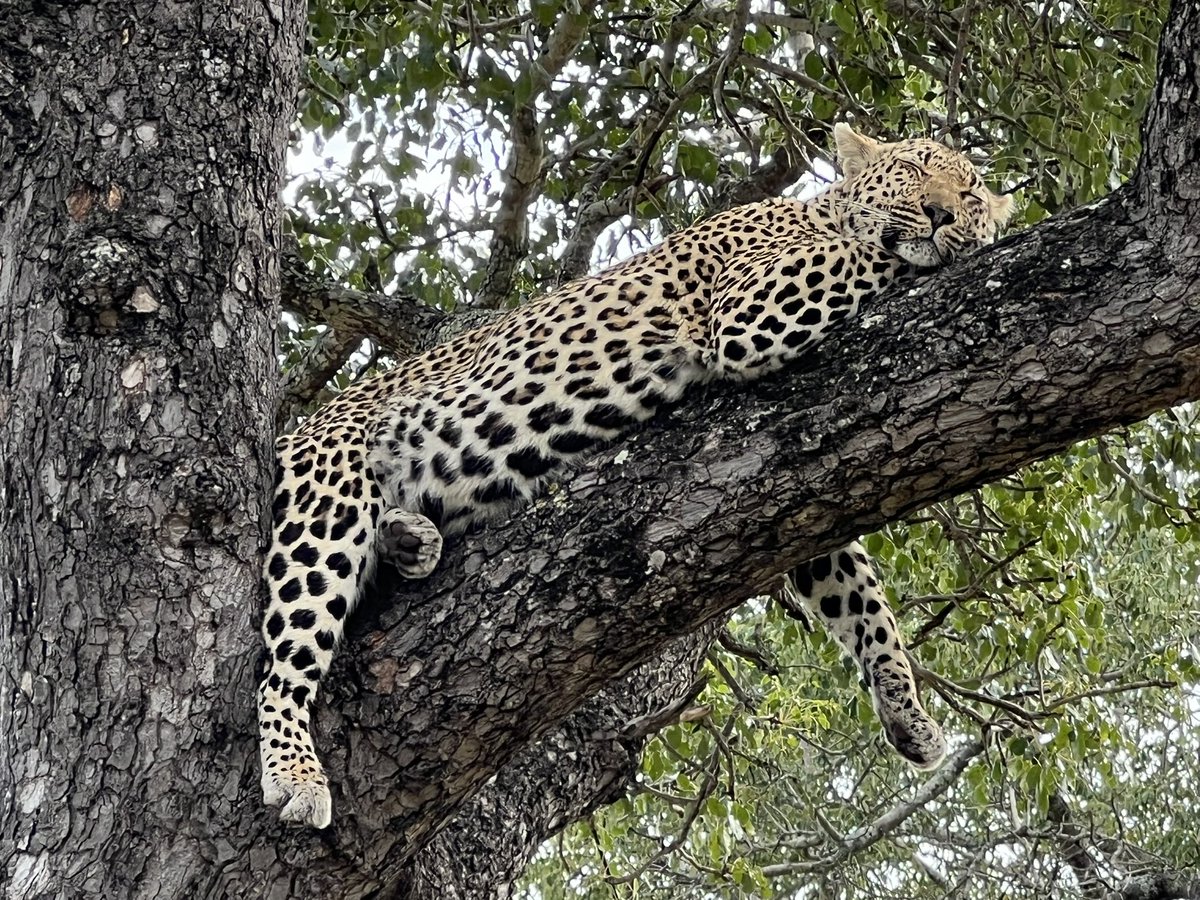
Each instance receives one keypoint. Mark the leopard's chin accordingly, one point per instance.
(922, 253)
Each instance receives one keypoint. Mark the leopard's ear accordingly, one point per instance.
(1001, 206)
(854, 151)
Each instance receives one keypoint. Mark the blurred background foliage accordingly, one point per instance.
(406, 122)
(472, 154)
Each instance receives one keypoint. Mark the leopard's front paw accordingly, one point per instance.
(906, 725)
(292, 776)
(410, 541)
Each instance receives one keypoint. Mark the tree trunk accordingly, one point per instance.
(136, 230)
(139, 240)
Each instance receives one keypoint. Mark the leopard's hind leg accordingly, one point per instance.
(326, 509)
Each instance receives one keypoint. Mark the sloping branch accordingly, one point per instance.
(594, 218)
(523, 172)
(400, 322)
(934, 786)
(1085, 323)
(304, 381)
(783, 170)
(1072, 328)
(1070, 839)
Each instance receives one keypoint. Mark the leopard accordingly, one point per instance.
(459, 436)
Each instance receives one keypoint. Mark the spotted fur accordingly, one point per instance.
(461, 434)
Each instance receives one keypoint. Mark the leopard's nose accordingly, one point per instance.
(938, 215)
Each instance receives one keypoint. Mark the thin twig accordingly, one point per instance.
(857, 841)
(754, 655)
(960, 48)
(738, 691)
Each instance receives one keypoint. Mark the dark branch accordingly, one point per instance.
(1180, 885)
(304, 382)
(589, 762)
(1067, 330)
(399, 322)
(1085, 323)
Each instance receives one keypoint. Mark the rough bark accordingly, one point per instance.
(590, 761)
(399, 322)
(138, 286)
(129, 535)
(1080, 325)
(308, 379)
(1182, 885)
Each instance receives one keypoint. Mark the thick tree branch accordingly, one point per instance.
(1085, 323)
(1069, 329)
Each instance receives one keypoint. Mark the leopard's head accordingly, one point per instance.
(917, 199)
